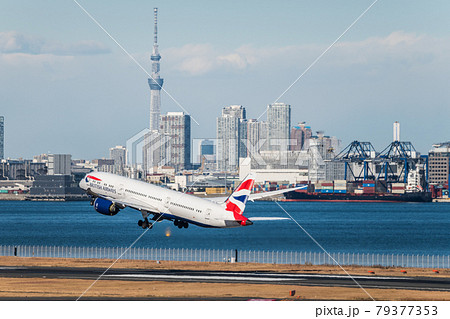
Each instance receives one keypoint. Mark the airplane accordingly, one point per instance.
(111, 193)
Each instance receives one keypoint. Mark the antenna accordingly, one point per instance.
(155, 12)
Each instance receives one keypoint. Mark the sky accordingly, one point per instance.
(67, 87)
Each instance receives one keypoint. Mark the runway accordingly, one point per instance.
(275, 278)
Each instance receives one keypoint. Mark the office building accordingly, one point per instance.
(229, 135)
(256, 137)
(206, 147)
(104, 165)
(177, 127)
(56, 187)
(278, 126)
(20, 169)
(327, 146)
(119, 155)
(438, 164)
(299, 134)
(59, 164)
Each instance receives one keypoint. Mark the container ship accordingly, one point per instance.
(366, 191)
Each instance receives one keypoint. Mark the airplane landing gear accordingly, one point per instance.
(145, 223)
(180, 223)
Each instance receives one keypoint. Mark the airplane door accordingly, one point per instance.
(167, 202)
(120, 191)
(208, 214)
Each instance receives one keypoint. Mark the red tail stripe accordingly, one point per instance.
(245, 185)
(231, 207)
(94, 178)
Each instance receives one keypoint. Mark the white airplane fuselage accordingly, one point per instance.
(154, 199)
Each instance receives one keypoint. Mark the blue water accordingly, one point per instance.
(410, 228)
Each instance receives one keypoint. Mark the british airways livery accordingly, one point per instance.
(110, 193)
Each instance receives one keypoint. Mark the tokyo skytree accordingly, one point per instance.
(155, 82)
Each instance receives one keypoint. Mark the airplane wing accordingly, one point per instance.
(267, 218)
(254, 196)
(137, 204)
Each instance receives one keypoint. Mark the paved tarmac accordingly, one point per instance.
(380, 282)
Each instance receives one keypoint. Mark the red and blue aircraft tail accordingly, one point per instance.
(235, 203)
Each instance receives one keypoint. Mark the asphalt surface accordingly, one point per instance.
(380, 282)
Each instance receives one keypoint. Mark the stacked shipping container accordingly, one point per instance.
(369, 187)
(340, 186)
(398, 188)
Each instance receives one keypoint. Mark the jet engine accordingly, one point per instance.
(105, 207)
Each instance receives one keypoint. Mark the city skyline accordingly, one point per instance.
(388, 67)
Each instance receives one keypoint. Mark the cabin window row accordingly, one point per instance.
(179, 205)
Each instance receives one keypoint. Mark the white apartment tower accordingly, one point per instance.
(229, 135)
(278, 126)
(256, 137)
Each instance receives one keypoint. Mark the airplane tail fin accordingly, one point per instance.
(235, 203)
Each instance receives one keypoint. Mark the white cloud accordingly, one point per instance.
(398, 48)
(12, 42)
(234, 60)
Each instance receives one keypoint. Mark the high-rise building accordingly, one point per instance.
(2, 137)
(177, 127)
(229, 134)
(256, 137)
(299, 135)
(206, 150)
(279, 125)
(327, 146)
(154, 152)
(439, 164)
(206, 147)
(207, 154)
(119, 155)
(155, 82)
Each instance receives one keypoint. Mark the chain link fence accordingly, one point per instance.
(230, 255)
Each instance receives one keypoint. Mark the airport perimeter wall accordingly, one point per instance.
(230, 255)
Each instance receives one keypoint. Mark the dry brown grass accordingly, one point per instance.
(73, 288)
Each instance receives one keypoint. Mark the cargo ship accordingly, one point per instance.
(352, 197)
(365, 191)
